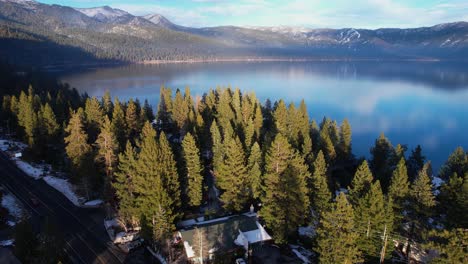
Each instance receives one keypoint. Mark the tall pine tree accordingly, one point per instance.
(193, 170)
(337, 235)
(286, 202)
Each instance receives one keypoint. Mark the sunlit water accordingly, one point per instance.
(412, 103)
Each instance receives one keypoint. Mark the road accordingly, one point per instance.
(86, 240)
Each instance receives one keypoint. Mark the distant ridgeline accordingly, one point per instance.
(33, 33)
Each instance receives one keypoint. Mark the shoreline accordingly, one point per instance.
(189, 61)
(238, 60)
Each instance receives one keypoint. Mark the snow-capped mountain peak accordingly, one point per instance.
(103, 13)
(160, 20)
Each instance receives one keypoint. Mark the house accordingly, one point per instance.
(223, 235)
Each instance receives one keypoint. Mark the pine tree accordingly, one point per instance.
(106, 103)
(361, 183)
(132, 119)
(153, 200)
(337, 236)
(415, 163)
(77, 146)
(217, 146)
(49, 122)
(286, 197)
(255, 171)
(94, 118)
(180, 112)
(345, 142)
(148, 111)
(107, 153)
(280, 117)
(456, 163)
(371, 216)
(399, 188)
(168, 171)
(452, 246)
(124, 185)
(421, 194)
(119, 127)
(232, 176)
(453, 201)
(320, 192)
(382, 155)
(326, 143)
(27, 116)
(165, 106)
(193, 170)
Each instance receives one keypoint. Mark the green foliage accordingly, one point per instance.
(399, 189)
(382, 155)
(361, 183)
(421, 193)
(415, 163)
(371, 215)
(454, 201)
(94, 118)
(286, 202)
(119, 127)
(319, 191)
(106, 155)
(337, 236)
(193, 170)
(77, 147)
(132, 119)
(345, 149)
(456, 163)
(232, 177)
(255, 166)
(124, 185)
(452, 246)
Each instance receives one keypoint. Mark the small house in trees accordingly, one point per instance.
(222, 237)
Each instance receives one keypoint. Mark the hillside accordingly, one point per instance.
(37, 34)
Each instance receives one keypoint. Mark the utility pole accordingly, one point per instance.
(384, 238)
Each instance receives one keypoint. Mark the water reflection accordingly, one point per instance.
(413, 103)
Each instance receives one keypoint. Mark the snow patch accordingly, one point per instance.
(307, 231)
(94, 203)
(10, 203)
(65, 188)
(29, 169)
(7, 243)
(302, 253)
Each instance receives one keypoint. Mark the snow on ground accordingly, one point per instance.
(437, 182)
(341, 190)
(34, 172)
(6, 243)
(94, 203)
(302, 253)
(65, 188)
(10, 203)
(307, 231)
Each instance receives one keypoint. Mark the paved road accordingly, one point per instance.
(86, 240)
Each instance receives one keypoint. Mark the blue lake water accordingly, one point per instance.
(411, 102)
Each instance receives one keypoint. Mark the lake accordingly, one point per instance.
(411, 102)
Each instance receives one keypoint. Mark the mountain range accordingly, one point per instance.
(40, 34)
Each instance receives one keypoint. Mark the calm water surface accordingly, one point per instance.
(412, 103)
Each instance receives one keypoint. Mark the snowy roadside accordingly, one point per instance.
(14, 208)
(44, 171)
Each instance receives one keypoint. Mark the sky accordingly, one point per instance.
(307, 13)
